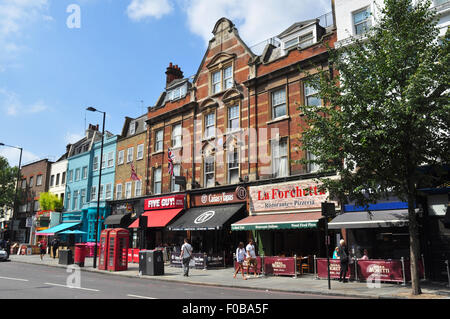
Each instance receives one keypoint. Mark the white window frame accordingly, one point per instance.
(216, 85)
(83, 197)
(233, 164)
(93, 193)
(128, 190)
(118, 191)
(84, 172)
(75, 200)
(157, 183)
(140, 152)
(120, 157)
(132, 128)
(176, 172)
(211, 125)
(176, 136)
(68, 200)
(277, 156)
(137, 190)
(207, 163)
(77, 174)
(130, 154)
(311, 92)
(278, 104)
(108, 191)
(366, 21)
(101, 192)
(39, 180)
(111, 159)
(95, 163)
(232, 118)
(159, 140)
(227, 80)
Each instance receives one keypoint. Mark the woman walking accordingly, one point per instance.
(240, 257)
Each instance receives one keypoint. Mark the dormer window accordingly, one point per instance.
(302, 41)
(132, 128)
(177, 93)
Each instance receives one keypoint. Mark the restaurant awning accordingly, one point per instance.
(206, 218)
(278, 221)
(158, 218)
(57, 229)
(73, 232)
(115, 219)
(372, 219)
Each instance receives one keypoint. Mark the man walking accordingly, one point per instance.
(55, 245)
(186, 255)
(343, 254)
(251, 258)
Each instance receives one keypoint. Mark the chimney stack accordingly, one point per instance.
(173, 72)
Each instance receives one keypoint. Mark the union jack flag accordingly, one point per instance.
(134, 176)
(170, 158)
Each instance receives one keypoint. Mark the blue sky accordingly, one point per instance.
(49, 73)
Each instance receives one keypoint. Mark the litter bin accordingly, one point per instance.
(80, 254)
(65, 257)
(151, 262)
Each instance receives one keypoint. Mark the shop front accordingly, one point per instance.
(208, 225)
(285, 221)
(157, 213)
(123, 213)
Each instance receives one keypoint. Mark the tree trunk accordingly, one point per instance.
(414, 245)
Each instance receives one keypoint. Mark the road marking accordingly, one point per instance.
(18, 279)
(65, 286)
(136, 296)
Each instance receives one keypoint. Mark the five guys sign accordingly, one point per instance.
(167, 202)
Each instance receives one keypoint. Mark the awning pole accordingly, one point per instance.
(403, 272)
(448, 273)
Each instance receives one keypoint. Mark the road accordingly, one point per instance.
(20, 280)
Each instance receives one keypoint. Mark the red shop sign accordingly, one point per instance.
(335, 269)
(382, 270)
(175, 201)
(279, 265)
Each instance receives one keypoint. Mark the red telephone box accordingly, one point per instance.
(118, 249)
(103, 255)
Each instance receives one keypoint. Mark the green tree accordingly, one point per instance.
(49, 201)
(386, 112)
(8, 177)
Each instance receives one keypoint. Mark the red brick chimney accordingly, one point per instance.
(173, 72)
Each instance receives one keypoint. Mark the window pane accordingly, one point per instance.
(228, 77)
(290, 43)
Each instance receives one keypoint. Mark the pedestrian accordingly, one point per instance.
(42, 247)
(55, 245)
(251, 258)
(8, 248)
(365, 256)
(336, 253)
(186, 255)
(240, 257)
(344, 259)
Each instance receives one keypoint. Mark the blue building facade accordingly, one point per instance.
(106, 188)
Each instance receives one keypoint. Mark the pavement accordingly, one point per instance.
(306, 283)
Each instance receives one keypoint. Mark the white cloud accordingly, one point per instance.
(140, 9)
(256, 20)
(13, 155)
(15, 17)
(71, 138)
(11, 104)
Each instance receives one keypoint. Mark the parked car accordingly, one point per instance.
(3, 255)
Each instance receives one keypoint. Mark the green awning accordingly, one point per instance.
(278, 221)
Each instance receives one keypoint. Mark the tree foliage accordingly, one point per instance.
(386, 112)
(49, 201)
(8, 177)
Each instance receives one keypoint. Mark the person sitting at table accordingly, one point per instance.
(336, 253)
(365, 256)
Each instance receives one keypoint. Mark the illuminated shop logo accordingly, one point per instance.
(204, 217)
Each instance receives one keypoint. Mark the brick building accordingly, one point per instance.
(35, 180)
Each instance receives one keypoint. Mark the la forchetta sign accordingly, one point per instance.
(304, 195)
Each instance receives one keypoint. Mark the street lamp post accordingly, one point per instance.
(99, 184)
(17, 186)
